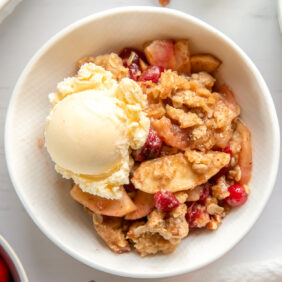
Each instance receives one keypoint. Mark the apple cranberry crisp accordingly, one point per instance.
(196, 163)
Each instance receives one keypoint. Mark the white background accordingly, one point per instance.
(250, 23)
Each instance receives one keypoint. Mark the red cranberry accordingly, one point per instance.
(126, 53)
(193, 213)
(205, 193)
(152, 73)
(227, 150)
(237, 197)
(197, 216)
(151, 149)
(165, 201)
(4, 271)
(134, 71)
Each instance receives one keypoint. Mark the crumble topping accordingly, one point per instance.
(198, 149)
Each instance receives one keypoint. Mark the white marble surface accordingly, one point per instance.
(252, 24)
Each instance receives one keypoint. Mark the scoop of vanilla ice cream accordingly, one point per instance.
(86, 132)
(86, 137)
(89, 133)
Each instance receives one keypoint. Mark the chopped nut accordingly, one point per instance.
(214, 209)
(131, 58)
(220, 190)
(194, 194)
(181, 196)
(211, 200)
(199, 132)
(214, 222)
(143, 65)
(212, 225)
(235, 173)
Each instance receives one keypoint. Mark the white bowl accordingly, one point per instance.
(13, 261)
(46, 196)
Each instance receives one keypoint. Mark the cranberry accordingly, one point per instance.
(205, 192)
(134, 71)
(197, 215)
(165, 201)
(152, 73)
(126, 53)
(4, 271)
(193, 213)
(151, 149)
(237, 197)
(227, 150)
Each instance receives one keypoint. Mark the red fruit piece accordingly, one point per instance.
(133, 54)
(134, 71)
(197, 216)
(245, 155)
(151, 149)
(227, 150)
(4, 271)
(152, 73)
(165, 201)
(161, 53)
(205, 192)
(238, 196)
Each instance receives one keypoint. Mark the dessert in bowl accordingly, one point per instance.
(152, 152)
(155, 148)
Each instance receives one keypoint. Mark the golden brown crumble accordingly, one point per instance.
(196, 120)
(110, 62)
(161, 233)
(111, 231)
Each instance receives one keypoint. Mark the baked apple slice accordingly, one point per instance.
(104, 206)
(178, 172)
(169, 55)
(228, 97)
(245, 160)
(204, 62)
(144, 203)
(161, 53)
(182, 56)
(172, 134)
